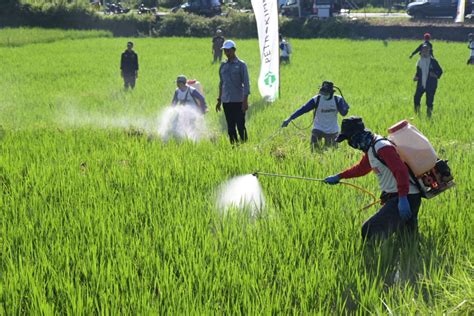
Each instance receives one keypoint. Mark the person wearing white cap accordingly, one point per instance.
(217, 42)
(234, 89)
(187, 95)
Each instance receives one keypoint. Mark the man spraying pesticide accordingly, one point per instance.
(188, 95)
(401, 196)
(185, 118)
(326, 106)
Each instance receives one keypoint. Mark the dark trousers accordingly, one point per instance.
(387, 219)
(129, 81)
(235, 117)
(429, 99)
(470, 61)
(217, 55)
(317, 136)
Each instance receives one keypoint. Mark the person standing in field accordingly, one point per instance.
(187, 95)
(427, 37)
(470, 45)
(234, 89)
(428, 71)
(325, 106)
(400, 198)
(286, 50)
(129, 66)
(217, 42)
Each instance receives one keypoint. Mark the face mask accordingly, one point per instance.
(326, 96)
(361, 141)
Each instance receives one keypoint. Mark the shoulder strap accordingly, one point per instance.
(318, 97)
(195, 100)
(412, 177)
(374, 152)
(186, 95)
(338, 101)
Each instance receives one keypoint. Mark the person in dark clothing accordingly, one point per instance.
(217, 42)
(428, 71)
(470, 45)
(427, 37)
(234, 89)
(286, 50)
(129, 66)
(400, 198)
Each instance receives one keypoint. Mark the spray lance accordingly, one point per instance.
(376, 200)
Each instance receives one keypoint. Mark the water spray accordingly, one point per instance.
(376, 200)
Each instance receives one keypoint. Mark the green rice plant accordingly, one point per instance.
(98, 215)
(12, 37)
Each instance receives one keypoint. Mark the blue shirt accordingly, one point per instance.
(234, 81)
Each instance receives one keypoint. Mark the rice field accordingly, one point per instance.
(100, 216)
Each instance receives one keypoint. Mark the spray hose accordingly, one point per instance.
(376, 200)
(266, 140)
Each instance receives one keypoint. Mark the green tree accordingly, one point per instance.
(8, 5)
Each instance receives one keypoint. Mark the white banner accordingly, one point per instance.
(460, 11)
(266, 15)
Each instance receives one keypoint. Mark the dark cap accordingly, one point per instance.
(327, 87)
(349, 127)
(181, 79)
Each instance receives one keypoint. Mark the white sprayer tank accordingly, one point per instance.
(197, 85)
(413, 147)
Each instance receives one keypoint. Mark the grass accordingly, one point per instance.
(370, 9)
(12, 37)
(95, 219)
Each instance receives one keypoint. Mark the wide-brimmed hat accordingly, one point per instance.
(349, 127)
(327, 87)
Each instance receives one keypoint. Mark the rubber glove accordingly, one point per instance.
(404, 208)
(332, 179)
(285, 123)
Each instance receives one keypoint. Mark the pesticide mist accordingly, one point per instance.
(174, 122)
(243, 193)
(182, 122)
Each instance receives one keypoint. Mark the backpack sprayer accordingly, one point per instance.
(326, 87)
(431, 175)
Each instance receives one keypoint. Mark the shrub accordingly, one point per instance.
(310, 28)
(235, 24)
(170, 3)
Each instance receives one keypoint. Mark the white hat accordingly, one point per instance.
(228, 44)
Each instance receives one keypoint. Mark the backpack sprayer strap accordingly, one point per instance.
(412, 177)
